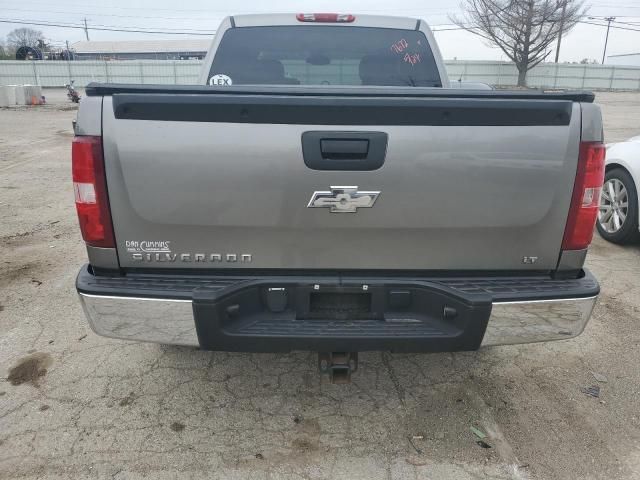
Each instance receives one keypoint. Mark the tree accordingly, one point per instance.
(523, 29)
(24, 37)
(6, 53)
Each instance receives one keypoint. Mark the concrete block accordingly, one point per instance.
(7, 95)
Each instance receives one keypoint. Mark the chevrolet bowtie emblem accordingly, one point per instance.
(343, 199)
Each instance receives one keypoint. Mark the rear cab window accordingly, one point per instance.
(324, 55)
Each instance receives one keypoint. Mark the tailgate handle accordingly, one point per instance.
(326, 150)
(344, 149)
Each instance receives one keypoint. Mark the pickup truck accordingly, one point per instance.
(324, 188)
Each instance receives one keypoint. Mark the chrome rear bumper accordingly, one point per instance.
(171, 321)
(141, 319)
(537, 321)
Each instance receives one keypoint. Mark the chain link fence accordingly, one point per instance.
(548, 75)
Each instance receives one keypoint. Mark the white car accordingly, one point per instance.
(619, 214)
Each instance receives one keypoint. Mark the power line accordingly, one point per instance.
(612, 26)
(635, 24)
(182, 30)
(448, 29)
(93, 14)
(133, 29)
(82, 27)
(227, 11)
(201, 18)
(118, 28)
(617, 16)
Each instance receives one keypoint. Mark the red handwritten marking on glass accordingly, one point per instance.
(412, 58)
(400, 46)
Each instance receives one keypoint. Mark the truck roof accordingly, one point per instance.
(268, 19)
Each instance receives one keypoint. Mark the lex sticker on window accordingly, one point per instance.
(220, 79)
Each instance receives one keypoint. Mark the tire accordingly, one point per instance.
(618, 216)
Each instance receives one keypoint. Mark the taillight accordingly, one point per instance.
(325, 17)
(586, 197)
(90, 188)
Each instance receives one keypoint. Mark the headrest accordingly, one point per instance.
(270, 69)
(379, 70)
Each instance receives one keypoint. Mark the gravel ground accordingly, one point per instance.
(82, 406)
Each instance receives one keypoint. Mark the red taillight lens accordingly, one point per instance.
(325, 17)
(586, 197)
(90, 188)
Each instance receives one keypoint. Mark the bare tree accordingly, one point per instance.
(24, 37)
(523, 29)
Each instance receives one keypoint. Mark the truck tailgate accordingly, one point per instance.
(220, 181)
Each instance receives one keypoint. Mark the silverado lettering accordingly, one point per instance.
(189, 257)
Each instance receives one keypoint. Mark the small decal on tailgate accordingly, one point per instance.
(148, 246)
(220, 79)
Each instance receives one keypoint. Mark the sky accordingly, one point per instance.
(199, 17)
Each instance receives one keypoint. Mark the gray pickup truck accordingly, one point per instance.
(324, 189)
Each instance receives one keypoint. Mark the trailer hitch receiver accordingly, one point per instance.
(338, 366)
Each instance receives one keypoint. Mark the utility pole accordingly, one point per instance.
(564, 9)
(86, 30)
(606, 39)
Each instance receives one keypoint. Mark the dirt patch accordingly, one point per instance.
(12, 273)
(310, 426)
(1, 307)
(18, 239)
(30, 369)
(128, 400)
(177, 426)
(65, 108)
(15, 236)
(304, 445)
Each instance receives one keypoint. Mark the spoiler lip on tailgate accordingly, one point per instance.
(102, 89)
(314, 110)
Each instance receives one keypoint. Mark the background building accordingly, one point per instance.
(190, 49)
(632, 59)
